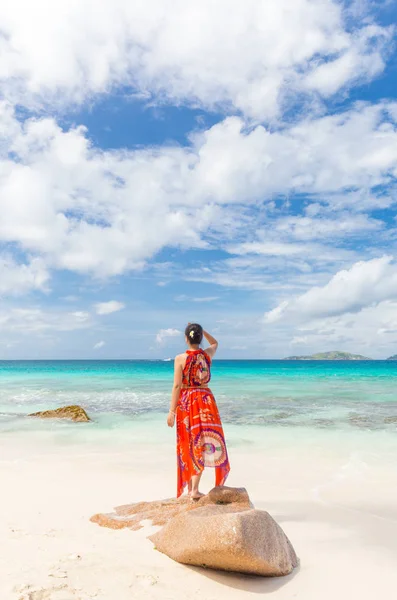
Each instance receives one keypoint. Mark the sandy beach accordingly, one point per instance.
(336, 503)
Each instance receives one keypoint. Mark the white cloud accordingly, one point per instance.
(365, 284)
(276, 313)
(88, 211)
(352, 65)
(252, 55)
(106, 213)
(68, 205)
(355, 149)
(19, 278)
(183, 298)
(163, 334)
(99, 345)
(343, 224)
(38, 321)
(106, 308)
(268, 248)
(299, 340)
(372, 332)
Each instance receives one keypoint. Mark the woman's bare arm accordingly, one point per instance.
(176, 389)
(213, 344)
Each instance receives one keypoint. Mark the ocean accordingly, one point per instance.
(314, 395)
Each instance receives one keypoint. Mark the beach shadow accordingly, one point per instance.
(248, 583)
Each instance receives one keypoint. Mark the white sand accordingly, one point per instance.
(337, 505)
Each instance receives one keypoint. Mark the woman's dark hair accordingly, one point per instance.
(194, 333)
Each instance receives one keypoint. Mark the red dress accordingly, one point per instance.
(200, 438)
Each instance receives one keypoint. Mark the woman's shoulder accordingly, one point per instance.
(180, 358)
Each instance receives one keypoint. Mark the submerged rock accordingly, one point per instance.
(74, 413)
(222, 531)
(359, 420)
(281, 415)
(324, 423)
(390, 420)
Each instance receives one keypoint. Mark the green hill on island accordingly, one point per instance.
(333, 355)
(394, 357)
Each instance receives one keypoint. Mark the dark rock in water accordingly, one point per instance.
(390, 420)
(220, 531)
(74, 413)
(281, 415)
(359, 420)
(324, 423)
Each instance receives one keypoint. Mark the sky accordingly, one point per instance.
(226, 162)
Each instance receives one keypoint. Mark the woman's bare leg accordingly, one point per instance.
(194, 491)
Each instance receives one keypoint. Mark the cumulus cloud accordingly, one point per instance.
(372, 332)
(108, 212)
(19, 278)
(106, 308)
(89, 211)
(354, 149)
(163, 334)
(68, 205)
(366, 283)
(99, 345)
(250, 56)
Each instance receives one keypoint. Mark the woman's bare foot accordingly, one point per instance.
(196, 495)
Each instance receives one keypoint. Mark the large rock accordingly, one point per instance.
(229, 538)
(74, 413)
(220, 531)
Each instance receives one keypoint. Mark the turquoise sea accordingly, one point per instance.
(315, 395)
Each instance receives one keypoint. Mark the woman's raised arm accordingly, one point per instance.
(213, 343)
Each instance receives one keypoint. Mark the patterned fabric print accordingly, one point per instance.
(200, 437)
(197, 369)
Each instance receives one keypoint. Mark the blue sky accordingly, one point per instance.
(229, 163)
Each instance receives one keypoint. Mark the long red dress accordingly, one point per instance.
(200, 437)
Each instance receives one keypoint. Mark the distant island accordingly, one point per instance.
(334, 355)
(394, 357)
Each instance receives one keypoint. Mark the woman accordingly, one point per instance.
(200, 438)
